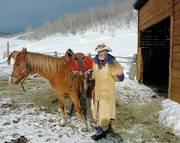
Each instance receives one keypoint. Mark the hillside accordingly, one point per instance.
(117, 14)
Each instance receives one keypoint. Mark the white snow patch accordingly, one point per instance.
(170, 115)
(131, 91)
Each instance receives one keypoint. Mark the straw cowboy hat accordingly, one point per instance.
(102, 47)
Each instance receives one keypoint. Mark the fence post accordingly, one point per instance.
(7, 49)
(134, 58)
(89, 54)
(132, 71)
(55, 53)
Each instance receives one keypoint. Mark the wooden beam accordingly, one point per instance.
(171, 50)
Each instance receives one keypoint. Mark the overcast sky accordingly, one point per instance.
(15, 15)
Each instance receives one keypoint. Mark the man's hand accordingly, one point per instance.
(89, 73)
(120, 72)
(120, 75)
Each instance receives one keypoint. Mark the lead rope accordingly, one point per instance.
(22, 85)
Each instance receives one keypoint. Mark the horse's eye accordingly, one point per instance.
(17, 64)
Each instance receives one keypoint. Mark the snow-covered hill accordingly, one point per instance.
(123, 43)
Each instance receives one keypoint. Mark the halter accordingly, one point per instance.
(26, 69)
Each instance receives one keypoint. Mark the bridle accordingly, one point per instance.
(26, 69)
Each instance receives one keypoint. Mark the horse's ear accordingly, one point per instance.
(12, 55)
(23, 52)
(24, 49)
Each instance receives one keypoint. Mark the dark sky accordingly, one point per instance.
(15, 15)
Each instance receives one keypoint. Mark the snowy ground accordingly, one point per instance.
(36, 124)
(33, 115)
(170, 115)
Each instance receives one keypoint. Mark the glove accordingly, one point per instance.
(89, 73)
(120, 77)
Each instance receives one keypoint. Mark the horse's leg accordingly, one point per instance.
(62, 110)
(77, 106)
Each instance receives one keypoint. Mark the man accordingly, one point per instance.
(106, 71)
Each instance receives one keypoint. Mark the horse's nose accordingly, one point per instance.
(11, 80)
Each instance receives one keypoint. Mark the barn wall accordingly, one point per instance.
(175, 59)
(153, 12)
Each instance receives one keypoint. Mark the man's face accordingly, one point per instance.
(102, 55)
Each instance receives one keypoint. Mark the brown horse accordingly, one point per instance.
(55, 70)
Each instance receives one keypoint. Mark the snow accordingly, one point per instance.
(170, 115)
(37, 124)
(133, 92)
(123, 43)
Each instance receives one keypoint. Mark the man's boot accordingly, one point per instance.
(99, 134)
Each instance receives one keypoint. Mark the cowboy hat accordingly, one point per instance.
(102, 47)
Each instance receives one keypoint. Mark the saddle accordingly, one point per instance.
(79, 63)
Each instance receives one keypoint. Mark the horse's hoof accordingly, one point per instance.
(62, 123)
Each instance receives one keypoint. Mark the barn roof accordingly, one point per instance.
(139, 4)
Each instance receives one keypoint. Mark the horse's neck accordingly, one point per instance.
(45, 72)
(42, 73)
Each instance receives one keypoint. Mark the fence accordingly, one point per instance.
(4, 52)
(128, 62)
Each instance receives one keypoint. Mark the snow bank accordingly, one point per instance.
(130, 91)
(170, 115)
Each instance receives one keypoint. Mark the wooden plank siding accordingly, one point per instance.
(177, 24)
(175, 59)
(176, 56)
(176, 48)
(175, 82)
(176, 73)
(176, 39)
(153, 12)
(175, 65)
(176, 15)
(175, 94)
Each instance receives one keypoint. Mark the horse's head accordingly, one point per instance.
(12, 57)
(20, 68)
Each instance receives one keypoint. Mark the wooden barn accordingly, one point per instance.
(158, 54)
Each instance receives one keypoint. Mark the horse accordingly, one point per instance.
(56, 71)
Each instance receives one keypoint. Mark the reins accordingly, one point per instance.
(26, 69)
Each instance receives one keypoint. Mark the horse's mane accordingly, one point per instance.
(45, 62)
